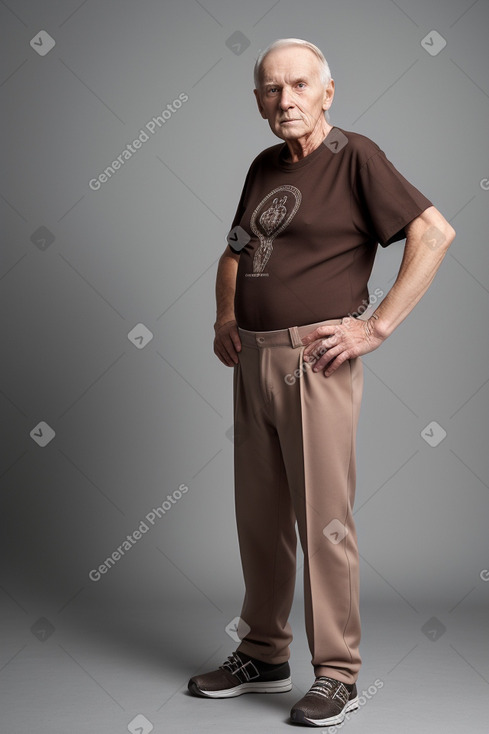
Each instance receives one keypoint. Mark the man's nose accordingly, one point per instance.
(286, 100)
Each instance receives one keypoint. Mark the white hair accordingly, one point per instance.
(325, 73)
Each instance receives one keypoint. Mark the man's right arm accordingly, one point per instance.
(227, 343)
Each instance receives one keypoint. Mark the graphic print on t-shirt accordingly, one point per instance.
(272, 215)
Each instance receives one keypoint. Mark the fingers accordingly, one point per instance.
(226, 353)
(317, 350)
(333, 366)
(325, 356)
(320, 333)
(235, 339)
(227, 344)
(330, 345)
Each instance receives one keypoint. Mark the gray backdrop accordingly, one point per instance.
(107, 298)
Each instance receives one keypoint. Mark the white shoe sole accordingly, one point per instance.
(272, 686)
(333, 720)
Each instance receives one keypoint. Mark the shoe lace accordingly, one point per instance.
(243, 671)
(329, 688)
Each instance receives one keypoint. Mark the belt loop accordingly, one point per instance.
(295, 338)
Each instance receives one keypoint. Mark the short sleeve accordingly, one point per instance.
(389, 200)
(242, 204)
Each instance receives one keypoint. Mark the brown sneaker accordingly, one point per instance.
(241, 674)
(326, 703)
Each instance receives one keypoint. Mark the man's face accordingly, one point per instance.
(291, 95)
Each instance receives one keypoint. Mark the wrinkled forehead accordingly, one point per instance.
(290, 62)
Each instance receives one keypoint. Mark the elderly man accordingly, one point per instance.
(291, 286)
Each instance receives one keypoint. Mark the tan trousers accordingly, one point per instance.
(295, 461)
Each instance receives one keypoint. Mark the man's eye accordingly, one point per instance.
(301, 85)
(272, 90)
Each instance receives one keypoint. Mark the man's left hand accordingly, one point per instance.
(332, 344)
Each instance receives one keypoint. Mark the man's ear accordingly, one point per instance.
(328, 95)
(258, 102)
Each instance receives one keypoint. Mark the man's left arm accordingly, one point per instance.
(428, 237)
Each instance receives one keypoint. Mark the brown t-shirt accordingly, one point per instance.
(307, 232)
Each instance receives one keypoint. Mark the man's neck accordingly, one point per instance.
(302, 147)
